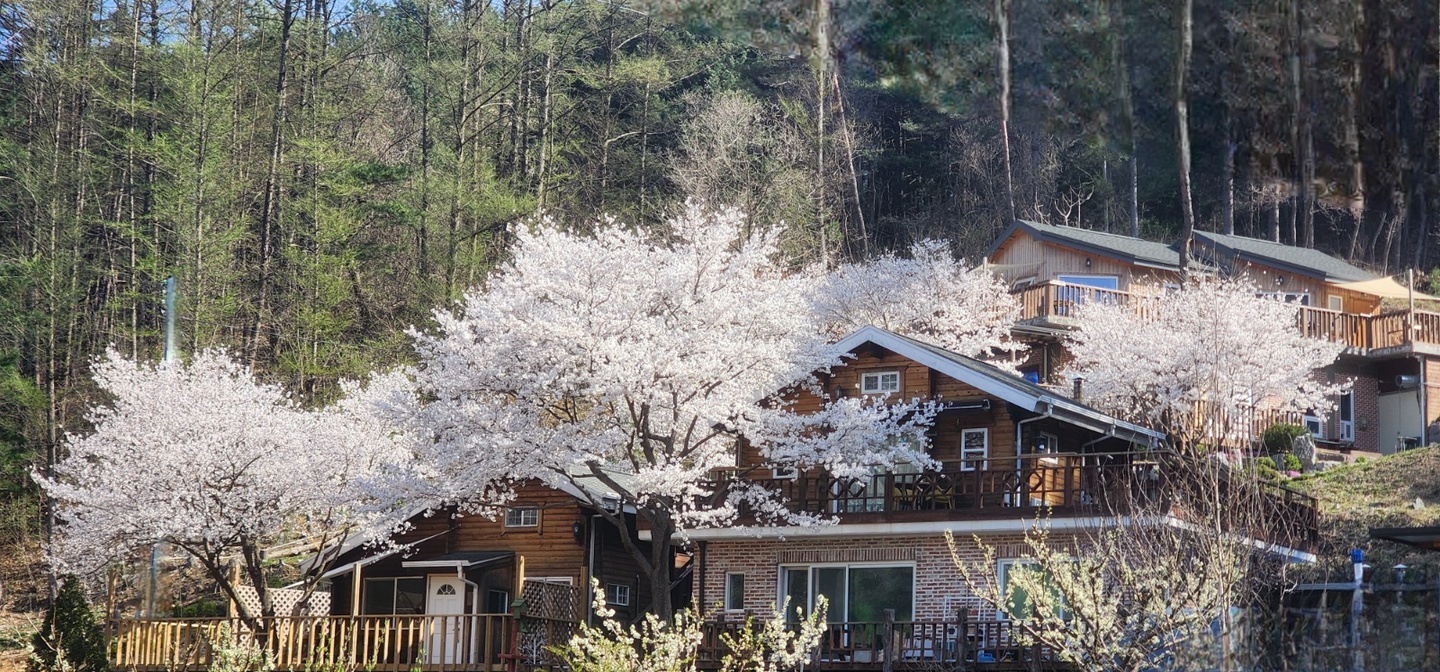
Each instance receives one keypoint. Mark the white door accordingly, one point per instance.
(448, 625)
(1399, 417)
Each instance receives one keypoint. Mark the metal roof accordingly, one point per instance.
(1013, 389)
(1427, 538)
(1302, 260)
(1137, 251)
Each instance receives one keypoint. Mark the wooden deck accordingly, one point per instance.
(959, 644)
(1053, 305)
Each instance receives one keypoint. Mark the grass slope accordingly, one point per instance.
(1376, 493)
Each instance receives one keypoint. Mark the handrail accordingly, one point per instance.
(1054, 302)
(961, 642)
(400, 643)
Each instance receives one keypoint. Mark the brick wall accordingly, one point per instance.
(1367, 413)
(939, 590)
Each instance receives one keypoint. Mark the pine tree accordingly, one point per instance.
(70, 638)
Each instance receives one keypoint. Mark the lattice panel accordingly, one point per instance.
(286, 601)
(556, 601)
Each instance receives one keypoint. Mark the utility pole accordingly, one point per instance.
(153, 589)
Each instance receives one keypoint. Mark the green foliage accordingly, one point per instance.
(204, 607)
(70, 639)
(237, 652)
(1292, 463)
(1280, 437)
(1265, 468)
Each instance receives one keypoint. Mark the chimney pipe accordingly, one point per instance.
(1079, 388)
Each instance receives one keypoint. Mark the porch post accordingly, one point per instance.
(887, 641)
(355, 591)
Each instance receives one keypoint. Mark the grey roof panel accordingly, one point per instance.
(1297, 259)
(1135, 250)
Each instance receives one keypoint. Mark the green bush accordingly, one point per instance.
(1279, 438)
(1265, 468)
(1292, 463)
(70, 639)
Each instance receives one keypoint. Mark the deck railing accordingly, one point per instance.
(1064, 483)
(461, 643)
(1057, 484)
(911, 644)
(1055, 304)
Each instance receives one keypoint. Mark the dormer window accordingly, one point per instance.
(880, 382)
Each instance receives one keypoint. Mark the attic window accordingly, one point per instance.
(880, 382)
(527, 516)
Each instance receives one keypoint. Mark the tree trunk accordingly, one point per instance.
(1182, 132)
(270, 208)
(1002, 24)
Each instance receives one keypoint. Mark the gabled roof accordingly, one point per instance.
(994, 381)
(1301, 260)
(1137, 251)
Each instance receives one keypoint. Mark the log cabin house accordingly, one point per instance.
(1393, 353)
(450, 592)
(1009, 451)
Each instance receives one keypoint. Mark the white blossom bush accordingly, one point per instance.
(204, 457)
(633, 363)
(657, 645)
(930, 296)
(1201, 362)
(1129, 596)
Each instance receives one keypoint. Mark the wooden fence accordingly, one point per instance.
(461, 643)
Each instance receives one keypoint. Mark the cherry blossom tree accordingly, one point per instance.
(1201, 363)
(204, 457)
(632, 363)
(930, 296)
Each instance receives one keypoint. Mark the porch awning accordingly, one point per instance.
(465, 560)
(352, 566)
(1385, 288)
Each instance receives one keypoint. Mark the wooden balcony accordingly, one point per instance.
(960, 643)
(1057, 485)
(461, 643)
(1053, 305)
(997, 487)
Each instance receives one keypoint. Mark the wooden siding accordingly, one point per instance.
(1053, 260)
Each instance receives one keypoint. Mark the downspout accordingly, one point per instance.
(1424, 403)
(590, 574)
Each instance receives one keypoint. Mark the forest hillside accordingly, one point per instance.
(318, 175)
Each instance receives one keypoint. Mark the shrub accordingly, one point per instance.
(1280, 437)
(1265, 468)
(1292, 463)
(70, 639)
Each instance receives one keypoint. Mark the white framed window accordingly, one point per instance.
(735, 591)
(1336, 303)
(1018, 600)
(1047, 444)
(784, 473)
(1299, 298)
(857, 592)
(1346, 411)
(522, 516)
(617, 595)
(1096, 281)
(974, 449)
(1314, 426)
(880, 382)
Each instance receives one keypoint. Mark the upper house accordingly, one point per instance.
(1392, 349)
(1006, 451)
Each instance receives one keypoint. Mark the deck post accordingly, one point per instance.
(962, 636)
(887, 641)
